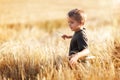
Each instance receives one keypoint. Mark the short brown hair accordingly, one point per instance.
(78, 15)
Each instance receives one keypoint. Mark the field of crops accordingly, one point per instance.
(31, 47)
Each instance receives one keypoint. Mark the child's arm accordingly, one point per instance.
(79, 55)
(66, 36)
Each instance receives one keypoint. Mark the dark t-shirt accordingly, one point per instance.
(79, 42)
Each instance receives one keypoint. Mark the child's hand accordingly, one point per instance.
(66, 36)
(73, 59)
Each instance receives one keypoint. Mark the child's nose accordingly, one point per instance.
(70, 25)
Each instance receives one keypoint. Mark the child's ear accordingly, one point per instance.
(82, 23)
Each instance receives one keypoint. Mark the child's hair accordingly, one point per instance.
(78, 15)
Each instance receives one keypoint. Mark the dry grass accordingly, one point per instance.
(37, 55)
(34, 50)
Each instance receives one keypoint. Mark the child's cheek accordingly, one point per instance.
(72, 25)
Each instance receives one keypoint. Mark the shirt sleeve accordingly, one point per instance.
(82, 41)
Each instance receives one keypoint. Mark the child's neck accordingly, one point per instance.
(80, 28)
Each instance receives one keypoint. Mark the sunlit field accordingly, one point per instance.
(31, 47)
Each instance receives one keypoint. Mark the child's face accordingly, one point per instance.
(73, 24)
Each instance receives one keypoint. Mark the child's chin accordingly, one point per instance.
(72, 30)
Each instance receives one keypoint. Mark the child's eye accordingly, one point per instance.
(70, 22)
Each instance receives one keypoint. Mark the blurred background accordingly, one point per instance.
(23, 11)
(51, 15)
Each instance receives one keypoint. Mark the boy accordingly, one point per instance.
(78, 45)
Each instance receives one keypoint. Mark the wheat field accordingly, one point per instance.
(31, 47)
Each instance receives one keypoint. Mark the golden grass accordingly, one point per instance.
(34, 49)
(31, 53)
